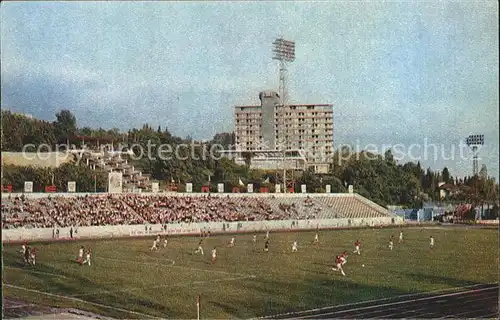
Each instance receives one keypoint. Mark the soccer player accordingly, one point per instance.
(80, 255)
(266, 246)
(294, 246)
(27, 255)
(391, 242)
(338, 262)
(200, 249)
(23, 247)
(431, 243)
(316, 239)
(214, 255)
(87, 258)
(165, 242)
(155, 245)
(356, 245)
(267, 235)
(254, 240)
(400, 236)
(231, 243)
(33, 256)
(343, 257)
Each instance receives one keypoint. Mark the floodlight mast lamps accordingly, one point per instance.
(474, 141)
(284, 51)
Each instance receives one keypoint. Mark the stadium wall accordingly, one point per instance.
(96, 232)
(366, 201)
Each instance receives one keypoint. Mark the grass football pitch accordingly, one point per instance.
(127, 280)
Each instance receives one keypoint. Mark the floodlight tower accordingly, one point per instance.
(474, 141)
(284, 52)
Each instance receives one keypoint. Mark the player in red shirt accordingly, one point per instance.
(356, 245)
(338, 263)
(343, 256)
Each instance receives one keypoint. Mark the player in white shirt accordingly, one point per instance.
(294, 246)
(155, 245)
(400, 236)
(23, 248)
(254, 240)
(165, 242)
(391, 243)
(231, 244)
(431, 243)
(200, 248)
(87, 258)
(316, 239)
(79, 259)
(267, 235)
(33, 256)
(214, 255)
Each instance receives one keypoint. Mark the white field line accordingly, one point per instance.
(376, 300)
(172, 262)
(181, 267)
(82, 301)
(20, 306)
(33, 271)
(183, 284)
(395, 303)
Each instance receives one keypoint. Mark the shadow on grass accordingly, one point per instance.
(310, 294)
(77, 284)
(230, 309)
(437, 279)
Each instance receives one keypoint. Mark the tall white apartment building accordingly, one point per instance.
(303, 132)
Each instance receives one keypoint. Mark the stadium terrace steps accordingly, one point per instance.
(383, 211)
(354, 206)
(114, 162)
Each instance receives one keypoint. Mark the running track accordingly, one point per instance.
(479, 301)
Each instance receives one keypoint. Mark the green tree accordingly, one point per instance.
(446, 176)
(65, 126)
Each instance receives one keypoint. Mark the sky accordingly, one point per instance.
(397, 73)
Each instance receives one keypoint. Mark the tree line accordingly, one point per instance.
(377, 177)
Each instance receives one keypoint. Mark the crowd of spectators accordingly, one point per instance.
(99, 210)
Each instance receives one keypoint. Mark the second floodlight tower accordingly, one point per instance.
(474, 141)
(284, 52)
